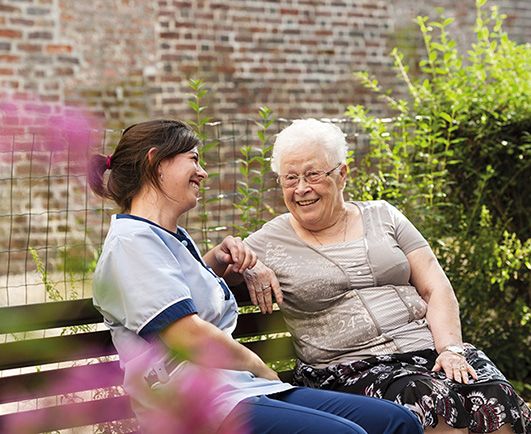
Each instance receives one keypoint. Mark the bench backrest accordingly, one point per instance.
(87, 362)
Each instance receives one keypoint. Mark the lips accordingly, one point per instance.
(306, 202)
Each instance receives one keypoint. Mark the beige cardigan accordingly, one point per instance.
(330, 317)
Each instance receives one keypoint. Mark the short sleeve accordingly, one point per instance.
(144, 284)
(407, 235)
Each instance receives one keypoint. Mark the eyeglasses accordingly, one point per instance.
(311, 177)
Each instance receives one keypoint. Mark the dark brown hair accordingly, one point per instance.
(129, 165)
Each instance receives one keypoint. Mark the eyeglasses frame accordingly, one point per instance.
(323, 174)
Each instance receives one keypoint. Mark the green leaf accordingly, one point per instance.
(446, 117)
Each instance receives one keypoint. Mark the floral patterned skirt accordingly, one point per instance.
(482, 405)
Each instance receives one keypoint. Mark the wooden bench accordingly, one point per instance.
(90, 366)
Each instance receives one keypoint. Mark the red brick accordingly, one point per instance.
(21, 21)
(40, 35)
(50, 98)
(286, 11)
(225, 69)
(9, 58)
(8, 8)
(58, 49)
(169, 35)
(7, 71)
(185, 47)
(64, 71)
(9, 33)
(30, 48)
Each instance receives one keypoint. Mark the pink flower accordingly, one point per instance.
(28, 123)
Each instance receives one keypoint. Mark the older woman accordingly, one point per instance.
(368, 306)
(171, 315)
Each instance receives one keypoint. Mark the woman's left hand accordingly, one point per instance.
(455, 367)
(232, 251)
(262, 284)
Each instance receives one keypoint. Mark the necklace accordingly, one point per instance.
(345, 224)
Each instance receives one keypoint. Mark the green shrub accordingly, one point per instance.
(455, 159)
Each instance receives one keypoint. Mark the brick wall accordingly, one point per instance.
(130, 59)
(115, 40)
(34, 55)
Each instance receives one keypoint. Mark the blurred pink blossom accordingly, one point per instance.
(187, 404)
(66, 130)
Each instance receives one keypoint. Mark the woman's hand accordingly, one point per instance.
(267, 373)
(262, 284)
(231, 251)
(455, 367)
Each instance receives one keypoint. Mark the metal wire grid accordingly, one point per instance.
(52, 226)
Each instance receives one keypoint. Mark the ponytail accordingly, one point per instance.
(98, 164)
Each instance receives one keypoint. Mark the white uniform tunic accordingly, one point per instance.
(147, 278)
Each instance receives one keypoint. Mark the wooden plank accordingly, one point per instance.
(241, 294)
(60, 381)
(271, 350)
(41, 316)
(252, 324)
(34, 352)
(67, 416)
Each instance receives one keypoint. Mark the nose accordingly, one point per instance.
(302, 186)
(202, 173)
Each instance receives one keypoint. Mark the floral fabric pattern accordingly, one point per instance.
(482, 406)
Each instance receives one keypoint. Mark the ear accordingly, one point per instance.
(151, 154)
(343, 172)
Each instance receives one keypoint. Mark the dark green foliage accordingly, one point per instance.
(455, 159)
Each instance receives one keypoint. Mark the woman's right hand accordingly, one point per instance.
(267, 373)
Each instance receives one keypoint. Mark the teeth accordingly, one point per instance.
(307, 202)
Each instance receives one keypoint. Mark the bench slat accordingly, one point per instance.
(253, 324)
(41, 316)
(59, 314)
(35, 352)
(67, 416)
(60, 381)
(271, 350)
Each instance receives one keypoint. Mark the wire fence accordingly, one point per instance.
(52, 226)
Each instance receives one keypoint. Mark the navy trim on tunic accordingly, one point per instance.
(166, 317)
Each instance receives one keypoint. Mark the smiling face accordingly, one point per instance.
(180, 177)
(313, 206)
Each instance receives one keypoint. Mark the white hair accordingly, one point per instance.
(305, 132)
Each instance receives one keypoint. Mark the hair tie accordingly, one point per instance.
(108, 162)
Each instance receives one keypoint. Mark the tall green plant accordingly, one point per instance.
(254, 167)
(199, 91)
(455, 158)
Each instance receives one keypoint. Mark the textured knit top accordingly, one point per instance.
(350, 300)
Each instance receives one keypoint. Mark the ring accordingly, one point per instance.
(263, 288)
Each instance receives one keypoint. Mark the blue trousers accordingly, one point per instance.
(314, 411)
